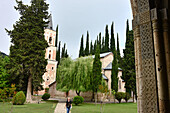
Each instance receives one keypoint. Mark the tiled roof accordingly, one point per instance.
(109, 67)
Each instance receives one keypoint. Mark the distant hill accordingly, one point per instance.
(3, 54)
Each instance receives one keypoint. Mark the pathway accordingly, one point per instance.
(60, 108)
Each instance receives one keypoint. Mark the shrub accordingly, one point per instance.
(119, 96)
(46, 96)
(19, 98)
(126, 97)
(78, 100)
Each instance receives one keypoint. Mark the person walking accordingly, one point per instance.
(68, 104)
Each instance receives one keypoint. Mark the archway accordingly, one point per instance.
(152, 55)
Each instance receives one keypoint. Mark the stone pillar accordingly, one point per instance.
(162, 80)
(165, 29)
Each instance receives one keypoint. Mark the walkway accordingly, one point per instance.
(60, 108)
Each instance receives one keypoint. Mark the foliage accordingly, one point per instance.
(126, 97)
(119, 96)
(106, 39)
(87, 45)
(56, 41)
(96, 77)
(46, 96)
(74, 74)
(112, 40)
(58, 54)
(78, 100)
(91, 48)
(7, 92)
(4, 76)
(27, 51)
(81, 51)
(129, 75)
(19, 98)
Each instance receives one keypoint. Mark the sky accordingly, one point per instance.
(74, 17)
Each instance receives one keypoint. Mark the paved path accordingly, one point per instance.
(60, 108)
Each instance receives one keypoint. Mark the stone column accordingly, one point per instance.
(160, 63)
(138, 64)
(165, 26)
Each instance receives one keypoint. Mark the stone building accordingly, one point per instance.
(50, 76)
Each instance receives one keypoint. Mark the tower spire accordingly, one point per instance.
(50, 24)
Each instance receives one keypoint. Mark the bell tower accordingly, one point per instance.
(50, 75)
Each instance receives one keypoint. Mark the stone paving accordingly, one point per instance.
(60, 108)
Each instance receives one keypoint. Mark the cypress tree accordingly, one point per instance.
(112, 40)
(129, 75)
(100, 40)
(58, 53)
(66, 54)
(81, 51)
(106, 39)
(87, 45)
(95, 44)
(96, 76)
(27, 52)
(118, 52)
(103, 45)
(114, 83)
(56, 41)
(63, 51)
(91, 48)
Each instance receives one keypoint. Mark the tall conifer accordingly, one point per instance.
(112, 40)
(81, 51)
(106, 39)
(27, 52)
(87, 45)
(56, 41)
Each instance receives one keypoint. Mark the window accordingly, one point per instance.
(49, 54)
(52, 68)
(50, 40)
(48, 78)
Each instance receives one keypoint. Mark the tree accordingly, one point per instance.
(114, 83)
(75, 74)
(103, 45)
(129, 75)
(112, 40)
(4, 76)
(66, 54)
(118, 52)
(97, 69)
(58, 54)
(87, 45)
(81, 51)
(91, 48)
(27, 52)
(56, 41)
(100, 40)
(106, 39)
(63, 51)
(129, 62)
(95, 44)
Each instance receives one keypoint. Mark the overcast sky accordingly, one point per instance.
(74, 18)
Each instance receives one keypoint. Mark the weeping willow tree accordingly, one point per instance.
(75, 75)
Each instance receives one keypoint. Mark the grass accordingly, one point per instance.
(47, 107)
(107, 108)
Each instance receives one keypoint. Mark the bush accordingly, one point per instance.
(126, 97)
(19, 98)
(46, 96)
(78, 100)
(119, 96)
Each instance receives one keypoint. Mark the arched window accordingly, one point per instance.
(50, 40)
(49, 54)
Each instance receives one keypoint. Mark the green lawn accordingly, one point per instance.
(47, 107)
(108, 108)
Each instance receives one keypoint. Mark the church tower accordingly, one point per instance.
(50, 75)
